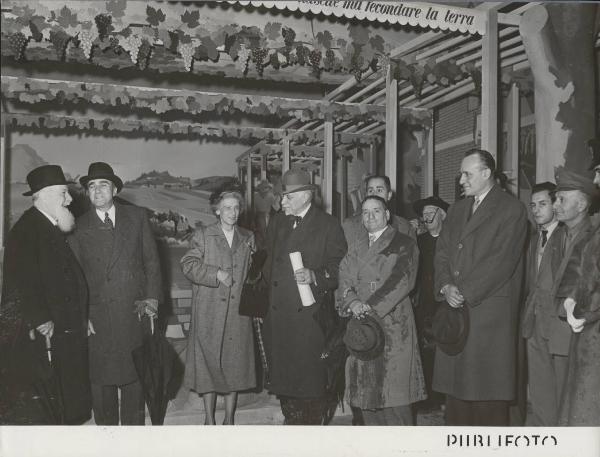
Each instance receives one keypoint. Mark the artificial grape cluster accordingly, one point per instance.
(274, 61)
(187, 52)
(329, 58)
(314, 58)
(103, 22)
(288, 36)
(258, 57)
(60, 40)
(86, 42)
(131, 44)
(243, 55)
(302, 54)
(144, 52)
(18, 43)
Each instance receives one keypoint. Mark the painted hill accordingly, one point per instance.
(23, 159)
(159, 178)
(212, 183)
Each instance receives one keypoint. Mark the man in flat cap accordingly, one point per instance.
(432, 210)
(117, 251)
(478, 263)
(294, 333)
(44, 283)
(580, 404)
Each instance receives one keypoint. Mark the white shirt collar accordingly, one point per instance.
(111, 213)
(303, 213)
(377, 234)
(50, 218)
(550, 228)
(482, 196)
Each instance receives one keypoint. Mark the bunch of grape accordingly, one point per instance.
(144, 52)
(103, 22)
(187, 52)
(131, 44)
(60, 40)
(329, 60)
(243, 56)
(314, 58)
(288, 36)
(302, 54)
(384, 64)
(86, 42)
(258, 57)
(18, 42)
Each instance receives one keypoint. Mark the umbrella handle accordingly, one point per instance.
(49, 348)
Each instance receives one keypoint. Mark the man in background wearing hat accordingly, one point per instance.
(45, 283)
(547, 336)
(265, 205)
(580, 404)
(478, 265)
(117, 251)
(376, 277)
(295, 334)
(376, 185)
(432, 210)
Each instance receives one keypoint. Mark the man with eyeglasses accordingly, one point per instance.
(294, 331)
(432, 210)
(478, 265)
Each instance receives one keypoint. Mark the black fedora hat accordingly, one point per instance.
(295, 180)
(450, 328)
(44, 176)
(429, 201)
(101, 170)
(364, 337)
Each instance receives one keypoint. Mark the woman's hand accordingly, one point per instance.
(224, 277)
(359, 309)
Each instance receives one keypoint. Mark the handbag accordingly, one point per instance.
(254, 299)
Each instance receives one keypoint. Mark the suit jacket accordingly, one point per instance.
(45, 282)
(118, 277)
(482, 255)
(540, 303)
(294, 338)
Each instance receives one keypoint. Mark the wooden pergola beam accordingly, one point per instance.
(489, 86)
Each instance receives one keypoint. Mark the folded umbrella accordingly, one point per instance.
(47, 385)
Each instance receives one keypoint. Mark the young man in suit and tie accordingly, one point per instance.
(547, 336)
(478, 263)
(117, 251)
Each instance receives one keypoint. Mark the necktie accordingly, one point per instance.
(476, 203)
(371, 239)
(295, 220)
(108, 221)
(544, 237)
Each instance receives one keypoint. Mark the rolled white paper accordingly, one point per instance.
(306, 295)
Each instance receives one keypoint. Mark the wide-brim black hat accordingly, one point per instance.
(450, 328)
(45, 176)
(430, 201)
(365, 338)
(101, 170)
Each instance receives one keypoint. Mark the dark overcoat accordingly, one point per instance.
(482, 255)
(117, 277)
(294, 339)
(220, 350)
(43, 278)
(382, 275)
(580, 404)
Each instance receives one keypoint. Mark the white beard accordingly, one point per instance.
(65, 219)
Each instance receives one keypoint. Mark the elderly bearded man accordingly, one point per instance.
(118, 254)
(45, 283)
(294, 336)
(478, 264)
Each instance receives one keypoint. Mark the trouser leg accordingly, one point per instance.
(542, 383)
(490, 413)
(302, 411)
(458, 411)
(132, 404)
(105, 403)
(395, 415)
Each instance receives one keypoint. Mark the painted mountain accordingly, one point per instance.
(23, 159)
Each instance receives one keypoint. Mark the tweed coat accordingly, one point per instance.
(43, 278)
(482, 255)
(580, 404)
(116, 278)
(220, 350)
(294, 339)
(540, 304)
(383, 276)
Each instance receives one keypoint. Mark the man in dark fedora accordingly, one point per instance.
(432, 210)
(44, 283)
(478, 263)
(117, 251)
(294, 334)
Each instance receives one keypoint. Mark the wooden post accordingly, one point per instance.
(327, 184)
(428, 169)
(489, 85)
(263, 167)
(343, 187)
(249, 183)
(372, 160)
(514, 128)
(391, 130)
(285, 166)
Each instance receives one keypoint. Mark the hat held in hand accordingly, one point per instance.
(450, 327)
(364, 337)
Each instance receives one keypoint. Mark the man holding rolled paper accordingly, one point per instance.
(305, 246)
